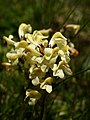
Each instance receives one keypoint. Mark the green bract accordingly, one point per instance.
(41, 56)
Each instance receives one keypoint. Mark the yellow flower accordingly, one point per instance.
(58, 39)
(23, 29)
(38, 37)
(58, 71)
(75, 27)
(47, 84)
(67, 69)
(35, 71)
(9, 40)
(34, 95)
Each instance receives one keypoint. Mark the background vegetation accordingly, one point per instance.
(71, 100)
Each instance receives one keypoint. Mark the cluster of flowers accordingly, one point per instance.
(45, 59)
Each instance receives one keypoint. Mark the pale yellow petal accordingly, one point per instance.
(45, 43)
(48, 80)
(12, 56)
(46, 31)
(23, 29)
(56, 39)
(33, 51)
(59, 73)
(35, 81)
(67, 70)
(53, 60)
(44, 68)
(8, 40)
(49, 88)
(22, 44)
(48, 53)
(32, 101)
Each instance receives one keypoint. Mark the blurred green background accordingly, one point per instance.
(71, 101)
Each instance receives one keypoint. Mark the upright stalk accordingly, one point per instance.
(42, 107)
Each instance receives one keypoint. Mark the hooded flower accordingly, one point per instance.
(33, 95)
(23, 29)
(57, 39)
(47, 84)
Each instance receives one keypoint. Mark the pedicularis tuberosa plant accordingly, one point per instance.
(44, 59)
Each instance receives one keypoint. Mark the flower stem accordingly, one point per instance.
(42, 106)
